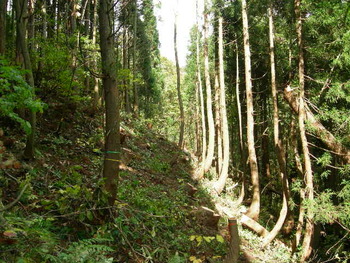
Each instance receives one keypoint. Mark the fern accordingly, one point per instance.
(92, 250)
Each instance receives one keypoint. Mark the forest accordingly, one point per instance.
(111, 152)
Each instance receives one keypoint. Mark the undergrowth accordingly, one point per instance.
(63, 215)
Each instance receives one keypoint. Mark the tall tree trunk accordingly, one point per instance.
(218, 122)
(96, 92)
(219, 185)
(308, 177)
(51, 17)
(3, 11)
(44, 17)
(111, 94)
(265, 151)
(279, 147)
(198, 123)
(211, 135)
(300, 224)
(135, 88)
(178, 86)
(125, 66)
(240, 130)
(21, 7)
(73, 16)
(201, 97)
(86, 17)
(254, 208)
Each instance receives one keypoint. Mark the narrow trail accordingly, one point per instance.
(164, 164)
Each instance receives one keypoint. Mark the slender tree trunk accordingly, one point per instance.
(201, 97)
(136, 92)
(279, 147)
(211, 135)
(126, 66)
(218, 122)
(112, 104)
(86, 17)
(264, 129)
(51, 17)
(240, 130)
(308, 178)
(219, 186)
(30, 25)
(3, 11)
(73, 16)
(178, 85)
(96, 94)
(239, 109)
(300, 224)
(198, 123)
(254, 208)
(21, 19)
(44, 17)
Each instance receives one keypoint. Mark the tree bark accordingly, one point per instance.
(200, 173)
(3, 10)
(308, 177)
(21, 8)
(211, 135)
(178, 86)
(218, 123)
(126, 80)
(233, 253)
(253, 225)
(44, 17)
(73, 16)
(112, 103)
(254, 208)
(219, 185)
(198, 123)
(279, 147)
(135, 88)
(240, 130)
(96, 92)
(300, 224)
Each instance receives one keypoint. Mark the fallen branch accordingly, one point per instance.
(8, 206)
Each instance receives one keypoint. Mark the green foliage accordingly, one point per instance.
(16, 94)
(33, 238)
(323, 208)
(158, 166)
(92, 250)
(177, 259)
(59, 76)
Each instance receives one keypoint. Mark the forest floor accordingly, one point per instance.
(161, 213)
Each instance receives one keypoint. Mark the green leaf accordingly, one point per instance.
(89, 215)
(220, 239)
(208, 239)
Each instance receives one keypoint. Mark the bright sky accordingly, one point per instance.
(186, 10)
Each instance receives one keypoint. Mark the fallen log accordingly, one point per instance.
(318, 129)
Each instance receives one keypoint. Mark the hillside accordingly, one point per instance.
(62, 214)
